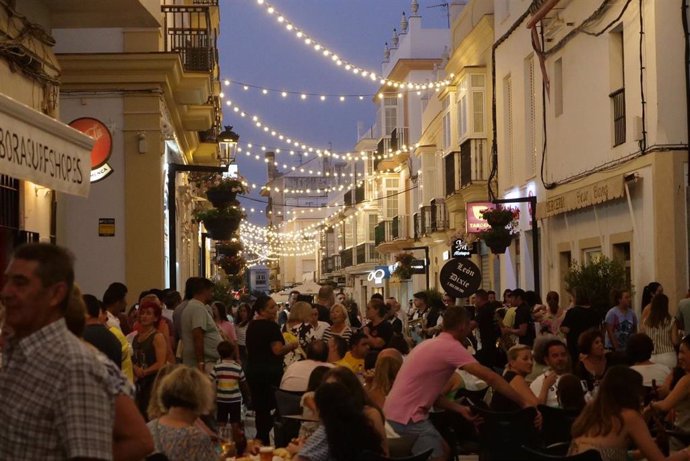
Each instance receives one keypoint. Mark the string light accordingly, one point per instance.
(284, 94)
(342, 63)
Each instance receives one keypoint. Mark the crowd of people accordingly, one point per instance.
(177, 376)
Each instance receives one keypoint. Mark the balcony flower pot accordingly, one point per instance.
(232, 265)
(498, 239)
(499, 216)
(221, 198)
(221, 223)
(222, 191)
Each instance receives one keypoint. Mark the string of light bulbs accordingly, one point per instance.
(301, 95)
(342, 62)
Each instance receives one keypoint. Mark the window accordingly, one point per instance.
(621, 253)
(617, 76)
(373, 220)
(446, 124)
(470, 102)
(449, 165)
(391, 200)
(390, 114)
(558, 86)
(530, 119)
(565, 260)
(508, 126)
(590, 255)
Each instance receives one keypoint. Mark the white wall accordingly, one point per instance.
(105, 40)
(100, 260)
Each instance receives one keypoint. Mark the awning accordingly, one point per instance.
(592, 194)
(40, 149)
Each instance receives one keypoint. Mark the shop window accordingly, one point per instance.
(590, 255)
(565, 260)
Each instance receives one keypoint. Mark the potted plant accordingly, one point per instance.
(500, 216)
(222, 191)
(596, 280)
(403, 269)
(498, 239)
(231, 248)
(220, 223)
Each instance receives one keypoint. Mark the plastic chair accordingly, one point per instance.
(556, 424)
(536, 455)
(501, 434)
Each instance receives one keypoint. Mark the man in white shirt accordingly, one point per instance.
(296, 376)
(545, 386)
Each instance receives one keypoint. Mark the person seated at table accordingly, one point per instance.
(612, 421)
(519, 365)
(185, 394)
(570, 392)
(387, 366)
(346, 432)
(296, 376)
(337, 348)
(593, 358)
(354, 358)
(546, 384)
(308, 404)
(639, 351)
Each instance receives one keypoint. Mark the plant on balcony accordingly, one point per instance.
(220, 223)
(231, 248)
(403, 269)
(222, 191)
(500, 216)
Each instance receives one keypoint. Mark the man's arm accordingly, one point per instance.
(198, 337)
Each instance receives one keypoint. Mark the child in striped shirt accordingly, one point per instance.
(231, 386)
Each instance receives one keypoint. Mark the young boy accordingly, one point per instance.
(231, 386)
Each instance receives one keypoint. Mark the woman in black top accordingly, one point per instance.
(519, 365)
(593, 361)
(265, 350)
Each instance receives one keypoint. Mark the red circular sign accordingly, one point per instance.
(100, 133)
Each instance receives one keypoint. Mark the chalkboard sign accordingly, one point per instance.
(460, 277)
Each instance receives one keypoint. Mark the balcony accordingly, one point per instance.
(466, 173)
(474, 162)
(346, 258)
(386, 157)
(383, 232)
(399, 228)
(330, 264)
(430, 219)
(366, 253)
(189, 32)
(618, 101)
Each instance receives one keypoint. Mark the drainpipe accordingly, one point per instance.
(686, 31)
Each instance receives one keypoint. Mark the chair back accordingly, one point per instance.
(556, 424)
(536, 455)
(401, 446)
(501, 434)
(376, 457)
(288, 403)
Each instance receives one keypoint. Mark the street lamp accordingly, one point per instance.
(227, 144)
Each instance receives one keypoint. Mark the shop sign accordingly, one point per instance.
(462, 249)
(102, 148)
(379, 274)
(106, 227)
(418, 266)
(40, 149)
(593, 194)
(474, 222)
(460, 278)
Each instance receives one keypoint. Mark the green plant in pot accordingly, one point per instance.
(220, 223)
(403, 271)
(498, 239)
(595, 280)
(232, 265)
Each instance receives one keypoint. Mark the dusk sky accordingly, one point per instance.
(256, 50)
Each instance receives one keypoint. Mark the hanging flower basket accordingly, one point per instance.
(403, 271)
(228, 248)
(232, 265)
(498, 239)
(220, 223)
(499, 216)
(221, 198)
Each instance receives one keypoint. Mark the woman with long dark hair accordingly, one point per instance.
(648, 293)
(612, 421)
(150, 352)
(346, 432)
(265, 350)
(662, 328)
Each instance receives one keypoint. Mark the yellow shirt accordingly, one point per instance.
(354, 364)
(126, 353)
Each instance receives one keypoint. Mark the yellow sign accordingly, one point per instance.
(106, 227)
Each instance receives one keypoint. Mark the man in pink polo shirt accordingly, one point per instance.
(423, 376)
